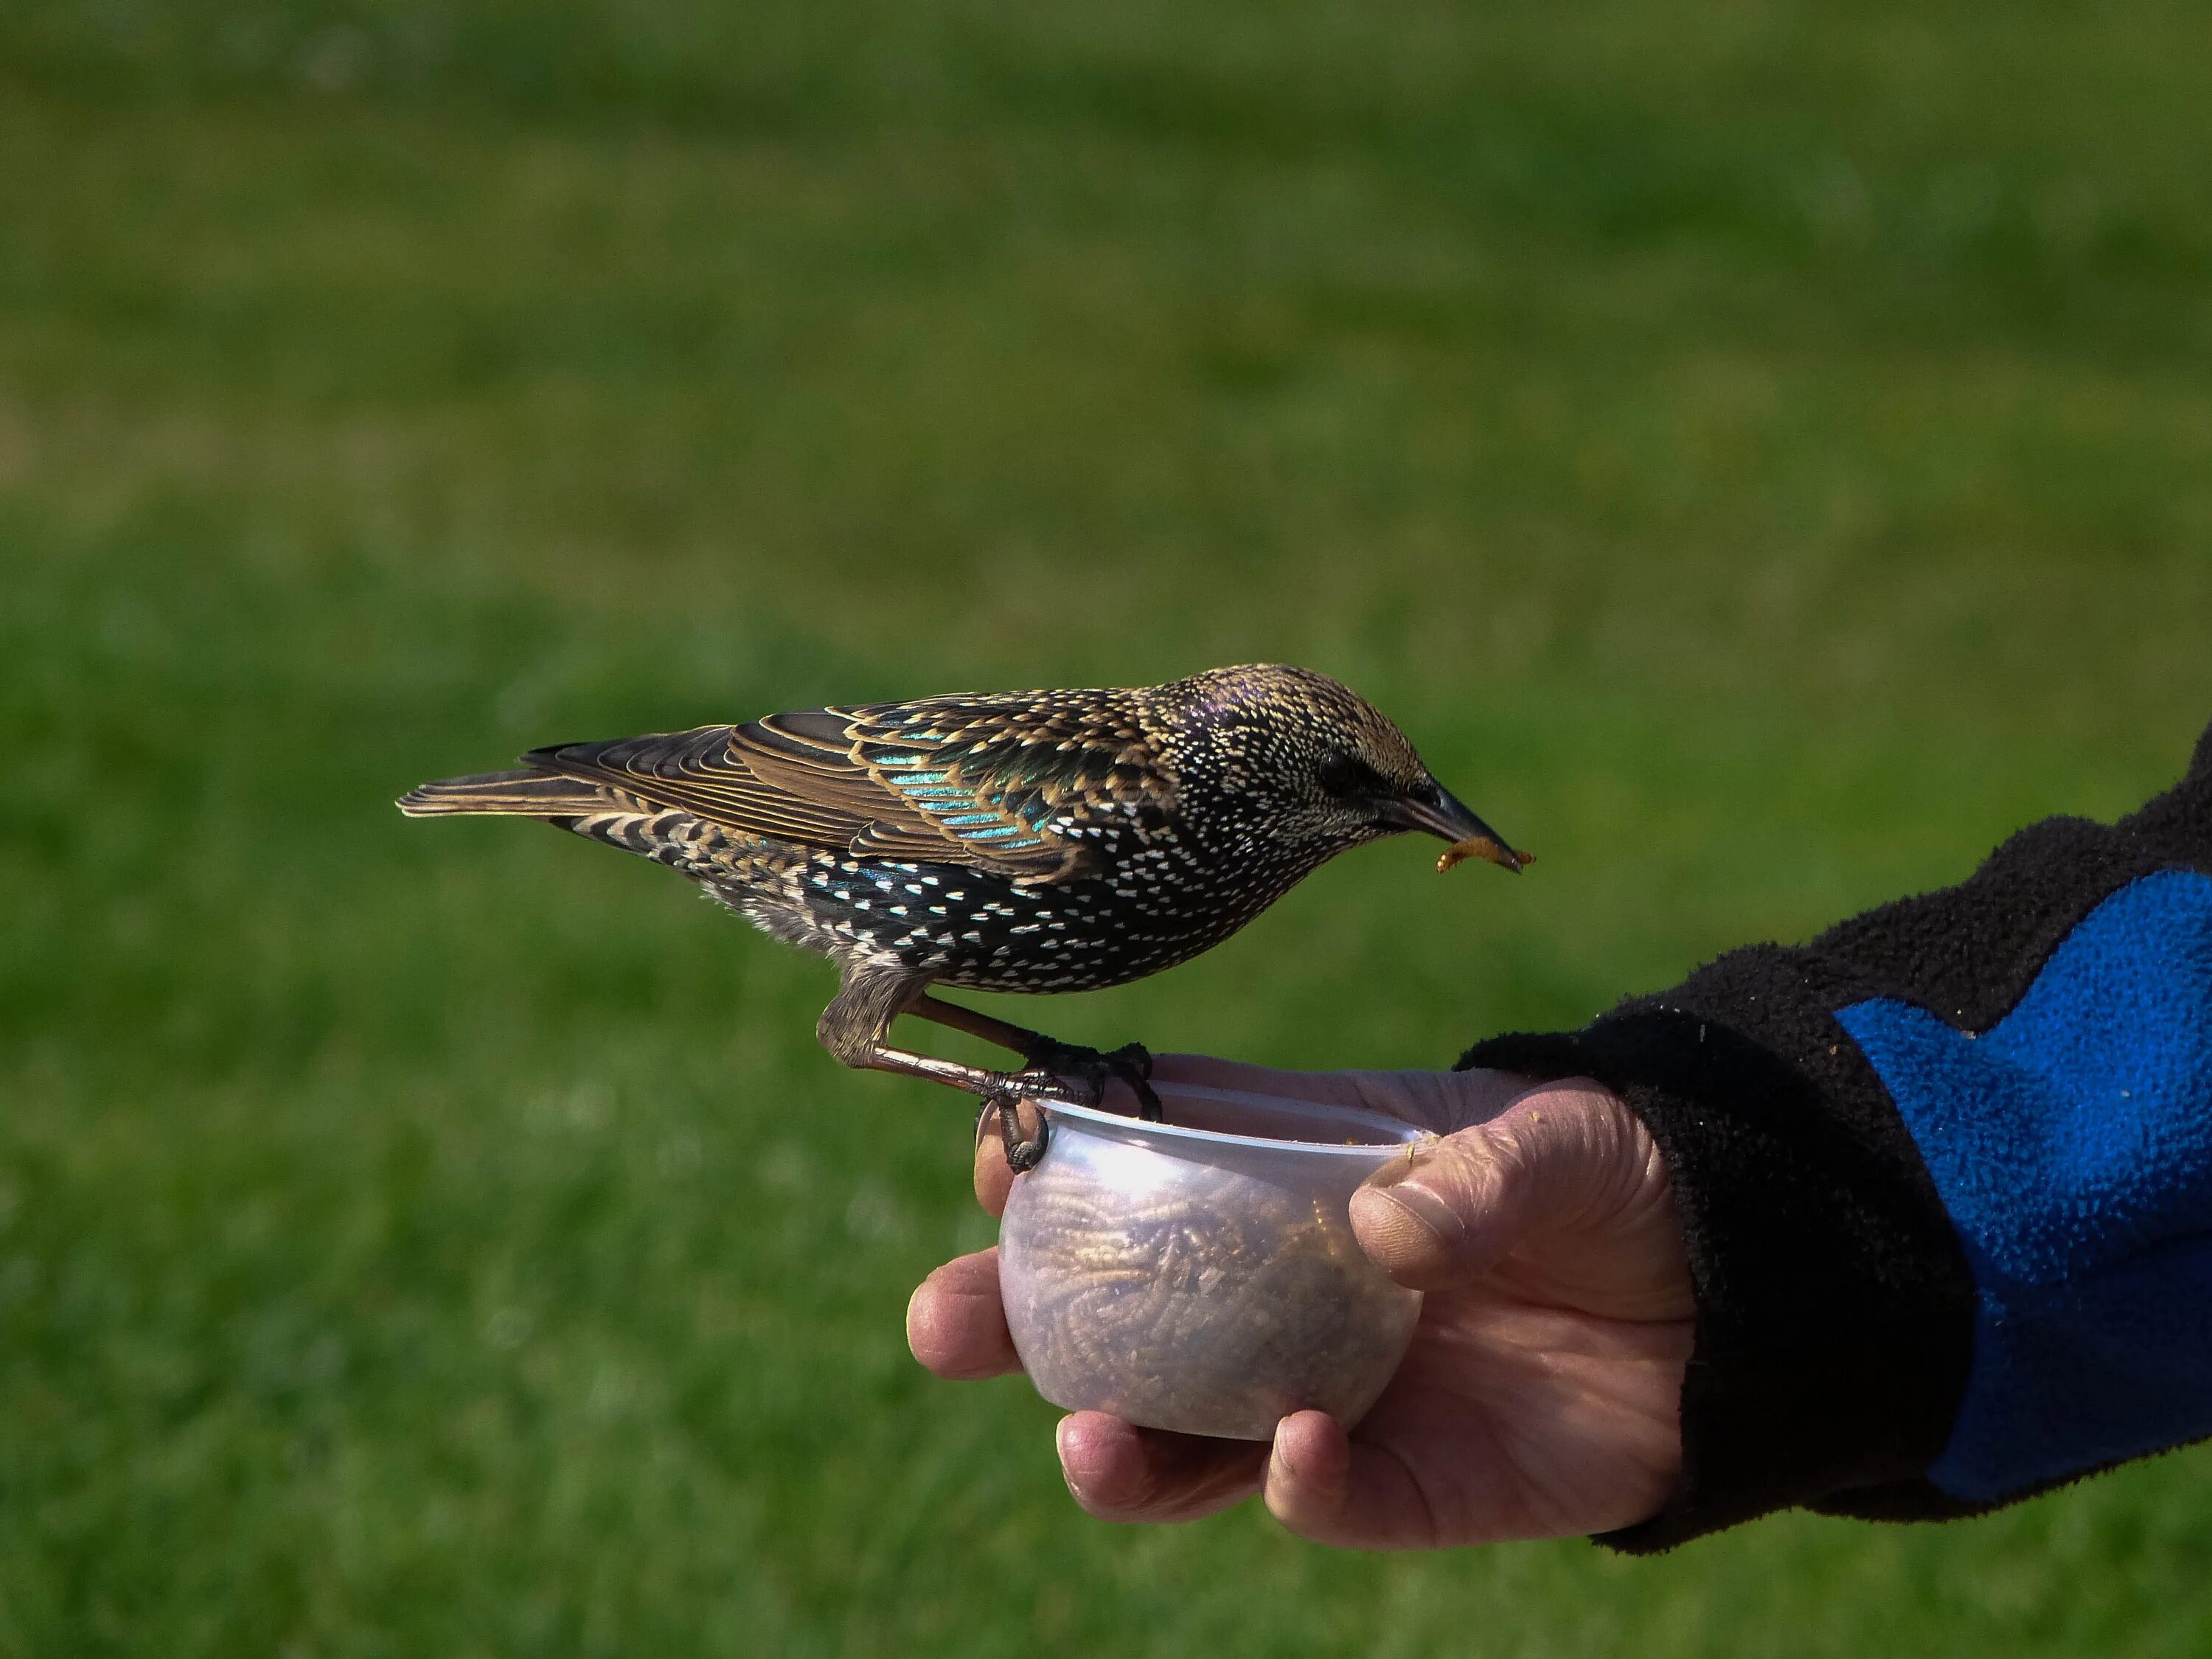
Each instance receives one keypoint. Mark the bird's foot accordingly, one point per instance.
(1066, 1085)
(1072, 1062)
(1024, 1151)
(1133, 1063)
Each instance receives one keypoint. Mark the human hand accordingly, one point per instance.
(1540, 1395)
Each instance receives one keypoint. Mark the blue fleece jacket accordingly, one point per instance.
(2071, 1144)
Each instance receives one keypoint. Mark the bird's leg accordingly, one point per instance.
(1132, 1062)
(1002, 1091)
(854, 1028)
(973, 1079)
(1016, 1039)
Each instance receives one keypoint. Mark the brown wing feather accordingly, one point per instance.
(993, 781)
(809, 753)
(817, 754)
(695, 772)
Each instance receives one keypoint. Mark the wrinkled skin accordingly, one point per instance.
(1539, 1396)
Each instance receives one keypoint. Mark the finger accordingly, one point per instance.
(1459, 1205)
(956, 1324)
(1119, 1472)
(1322, 1484)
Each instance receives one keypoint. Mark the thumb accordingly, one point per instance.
(1561, 1155)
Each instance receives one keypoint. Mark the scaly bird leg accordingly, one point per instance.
(1002, 1091)
(1016, 1039)
(978, 1080)
(854, 1028)
(1132, 1063)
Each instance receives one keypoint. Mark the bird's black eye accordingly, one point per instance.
(1340, 775)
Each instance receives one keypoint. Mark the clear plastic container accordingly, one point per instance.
(1201, 1274)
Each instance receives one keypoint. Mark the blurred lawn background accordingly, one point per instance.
(1761, 451)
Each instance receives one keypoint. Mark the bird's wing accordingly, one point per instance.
(697, 771)
(1038, 786)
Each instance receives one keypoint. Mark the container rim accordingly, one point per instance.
(1396, 1131)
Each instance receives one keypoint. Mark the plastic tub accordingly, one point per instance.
(1201, 1274)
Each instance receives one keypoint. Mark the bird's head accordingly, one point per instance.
(1310, 762)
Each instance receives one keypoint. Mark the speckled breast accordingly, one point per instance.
(970, 929)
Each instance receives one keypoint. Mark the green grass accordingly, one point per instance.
(1762, 452)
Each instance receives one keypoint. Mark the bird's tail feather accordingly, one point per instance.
(528, 794)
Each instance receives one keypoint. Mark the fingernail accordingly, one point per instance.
(1397, 1169)
(1428, 1208)
(1060, 1439)
(1405, 1168)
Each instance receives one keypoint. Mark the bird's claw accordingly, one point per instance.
(1024, 1152)
(1133, 1063)
(1069, 1075)
(1069, 1085)
(1068, 1068)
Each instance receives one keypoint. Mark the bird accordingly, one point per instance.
(1029, 842)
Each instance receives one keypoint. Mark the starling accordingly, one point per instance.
(1022, 840)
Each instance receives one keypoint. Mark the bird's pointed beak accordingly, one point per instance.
(1445, 817)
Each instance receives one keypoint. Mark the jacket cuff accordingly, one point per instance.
(1836, 1305)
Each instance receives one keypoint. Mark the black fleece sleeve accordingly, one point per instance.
(1850, 1257)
